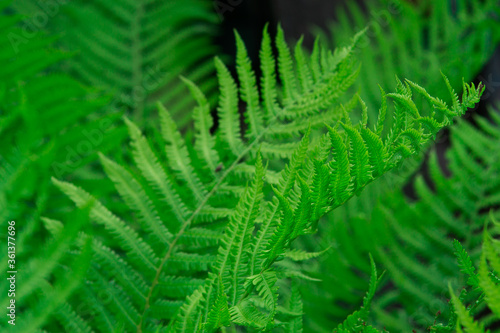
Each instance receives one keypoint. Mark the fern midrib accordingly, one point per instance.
(240, 252)
(188, 222)
(261, 239)
(271, 122)
(202, 204)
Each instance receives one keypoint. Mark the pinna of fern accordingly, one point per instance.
(481, 294)
(356, 322)
(169, 257)
(404, 235)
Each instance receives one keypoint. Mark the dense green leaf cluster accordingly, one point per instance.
(321, 175)
(412, 240)
(135, 50)
(213, 228)
(419, 40)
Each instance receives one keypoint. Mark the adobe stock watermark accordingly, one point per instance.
(223, 6)
(379, 20)
(32, 26)
(93, 138)
(103, 295)
(152, 80)
(75, 155)
(490, 84)
(11, 272)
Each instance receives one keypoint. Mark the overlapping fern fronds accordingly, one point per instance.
(481, 293)
(418, 40)
(343, 163)
(405, 236)
(403, 37)
(136, 50)
(182, 206)
(38, 283)
(43, 115)
(194, 202)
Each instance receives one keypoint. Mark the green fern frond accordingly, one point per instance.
(405, 237)
(357, 320)
(219, 315)
(180, 242)
(296, 306)
(137, 50)
(300, 255)
(405, 37)
(465, 264)
(190, 198)
(319, 195)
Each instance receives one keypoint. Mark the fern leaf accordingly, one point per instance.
(188, 320)
(340, 165)
(149, 164)
(357, 320)
(130, 239)
(285, 65)
(228, 109)
(464, 317)
(303, 70)
(359, 158)
(377, 153)
(214, 208)
(300, 255)
(490, 289)
(465, 264)
(234, 245)
(249, 91)
(268, 82)
(136, 198)
(296, 306)
(123, 39)
(247, 314)
(178, 154)
(203, 122)
(282, 234)
(219, 315)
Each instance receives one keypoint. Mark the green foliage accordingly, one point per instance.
(253, 227)
(412, 240)
(485, 292)
(197, 232)
(136, 50)
(202, 195)
(33, 93)
(419, 40)
(37, 285)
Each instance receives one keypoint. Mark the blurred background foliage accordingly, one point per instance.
(73, 69)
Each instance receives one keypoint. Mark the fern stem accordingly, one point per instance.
(188, 222)
(202, 204)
